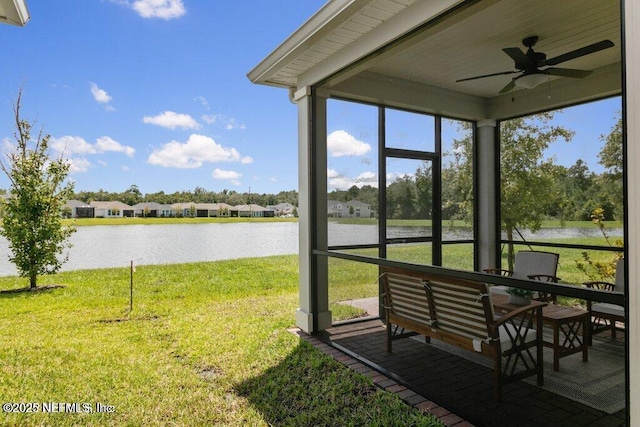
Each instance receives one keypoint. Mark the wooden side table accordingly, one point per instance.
(570, 328)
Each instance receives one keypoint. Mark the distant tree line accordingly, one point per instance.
(133, 196)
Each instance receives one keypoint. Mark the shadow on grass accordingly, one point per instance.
(11, 293)
(308, 388)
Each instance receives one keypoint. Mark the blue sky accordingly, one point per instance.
(154, 93)
(352, 140)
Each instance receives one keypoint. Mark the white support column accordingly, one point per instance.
(632, 111)
(487, 222)
(313, 313)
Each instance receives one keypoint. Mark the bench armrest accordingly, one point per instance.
(535, 305)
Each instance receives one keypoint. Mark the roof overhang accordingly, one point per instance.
(409, 54)
(14, 12)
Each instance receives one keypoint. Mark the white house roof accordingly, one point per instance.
(76, 204)
(110, 205)
(251, 207)
(148, 205)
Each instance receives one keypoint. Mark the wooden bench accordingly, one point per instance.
(460, 312)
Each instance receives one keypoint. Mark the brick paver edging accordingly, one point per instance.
(410, 397)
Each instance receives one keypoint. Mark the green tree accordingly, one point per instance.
(33, 222)
(611, 158)
(132, 196)
(401, 198)
(424, 190)
(527, 181)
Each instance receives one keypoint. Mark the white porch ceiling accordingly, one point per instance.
(466, 43)
(473, 46)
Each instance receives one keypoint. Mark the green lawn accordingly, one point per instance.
(206, 344)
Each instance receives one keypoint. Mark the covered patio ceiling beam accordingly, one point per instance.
(604, 82)
(394, 92)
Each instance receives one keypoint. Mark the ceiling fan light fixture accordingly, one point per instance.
(529, 81)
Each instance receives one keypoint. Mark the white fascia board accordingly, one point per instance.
(325, 20)
(385, 33)
(14, 12)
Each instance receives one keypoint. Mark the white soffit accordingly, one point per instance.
(338, 24)
(463, 44)
(14, 12)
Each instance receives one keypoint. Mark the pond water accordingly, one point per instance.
(117, 246)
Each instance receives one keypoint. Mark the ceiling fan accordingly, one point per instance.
(528, 64)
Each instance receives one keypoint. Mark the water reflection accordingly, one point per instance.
(357, 234)
(117, 246)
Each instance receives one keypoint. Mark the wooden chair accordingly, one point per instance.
(534, 265)
(604, 315)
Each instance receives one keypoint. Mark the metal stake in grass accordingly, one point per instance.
(132, 270)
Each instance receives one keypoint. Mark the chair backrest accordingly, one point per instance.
(619, 283)
(535, 262)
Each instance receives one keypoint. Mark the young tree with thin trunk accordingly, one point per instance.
(527, 180)
(32, 221)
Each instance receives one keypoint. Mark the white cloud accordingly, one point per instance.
(338, 181)
(226, 175)
(393, 176)
(71, 145)
(228, 123)
(78, 164)
(163, 9)
(105, 144)
(198, 149)
(209, 118)
(171, 120)
(201, 99)
(100, 95)
(341, 143)
(246, 160)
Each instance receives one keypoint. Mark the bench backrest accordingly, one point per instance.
(408, 297)
(456, 306)
(460, 307)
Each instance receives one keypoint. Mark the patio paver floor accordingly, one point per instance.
(458, 392)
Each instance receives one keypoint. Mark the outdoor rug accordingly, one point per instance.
(598, 383)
